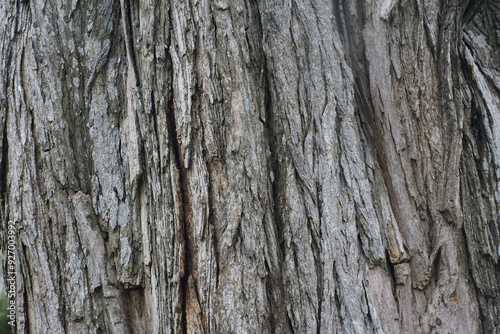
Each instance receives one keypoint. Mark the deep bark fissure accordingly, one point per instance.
(473, 7)
(186, 230)
(273, 163)
(26, 275)
(212, 222)
(155, 128)
(392, 276)
(129, 38)
(4, 165)
(320, 269)
(276, 182)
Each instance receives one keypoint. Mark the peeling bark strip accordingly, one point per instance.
(241, 166)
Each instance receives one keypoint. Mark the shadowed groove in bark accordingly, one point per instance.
(276, 205)
(218, 75)
(188, 264)
(471, 10)
(129, 38)
(26, 294)
(211, 166)
(4, 162)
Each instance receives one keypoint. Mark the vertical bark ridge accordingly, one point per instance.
(446, 259)
(252, 166)
(479, 162)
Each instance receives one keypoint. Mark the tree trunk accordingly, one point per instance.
(252, 166)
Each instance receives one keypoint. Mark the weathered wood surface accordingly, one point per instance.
(252, 166)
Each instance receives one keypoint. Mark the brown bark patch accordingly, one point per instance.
(454, 297)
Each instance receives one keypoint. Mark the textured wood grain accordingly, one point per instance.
(252, 166)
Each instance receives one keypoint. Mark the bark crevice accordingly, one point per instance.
(188, 294)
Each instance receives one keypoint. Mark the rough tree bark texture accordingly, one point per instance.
(216, 166)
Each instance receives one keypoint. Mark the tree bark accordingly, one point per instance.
(252, 166)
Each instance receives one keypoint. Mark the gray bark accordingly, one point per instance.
(213, 166)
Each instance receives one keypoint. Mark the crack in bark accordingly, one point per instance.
(473, 7)
(212, 220)
(25, 269)
(4, 164)
(187, 266)
(276, 201)
(129, 41)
